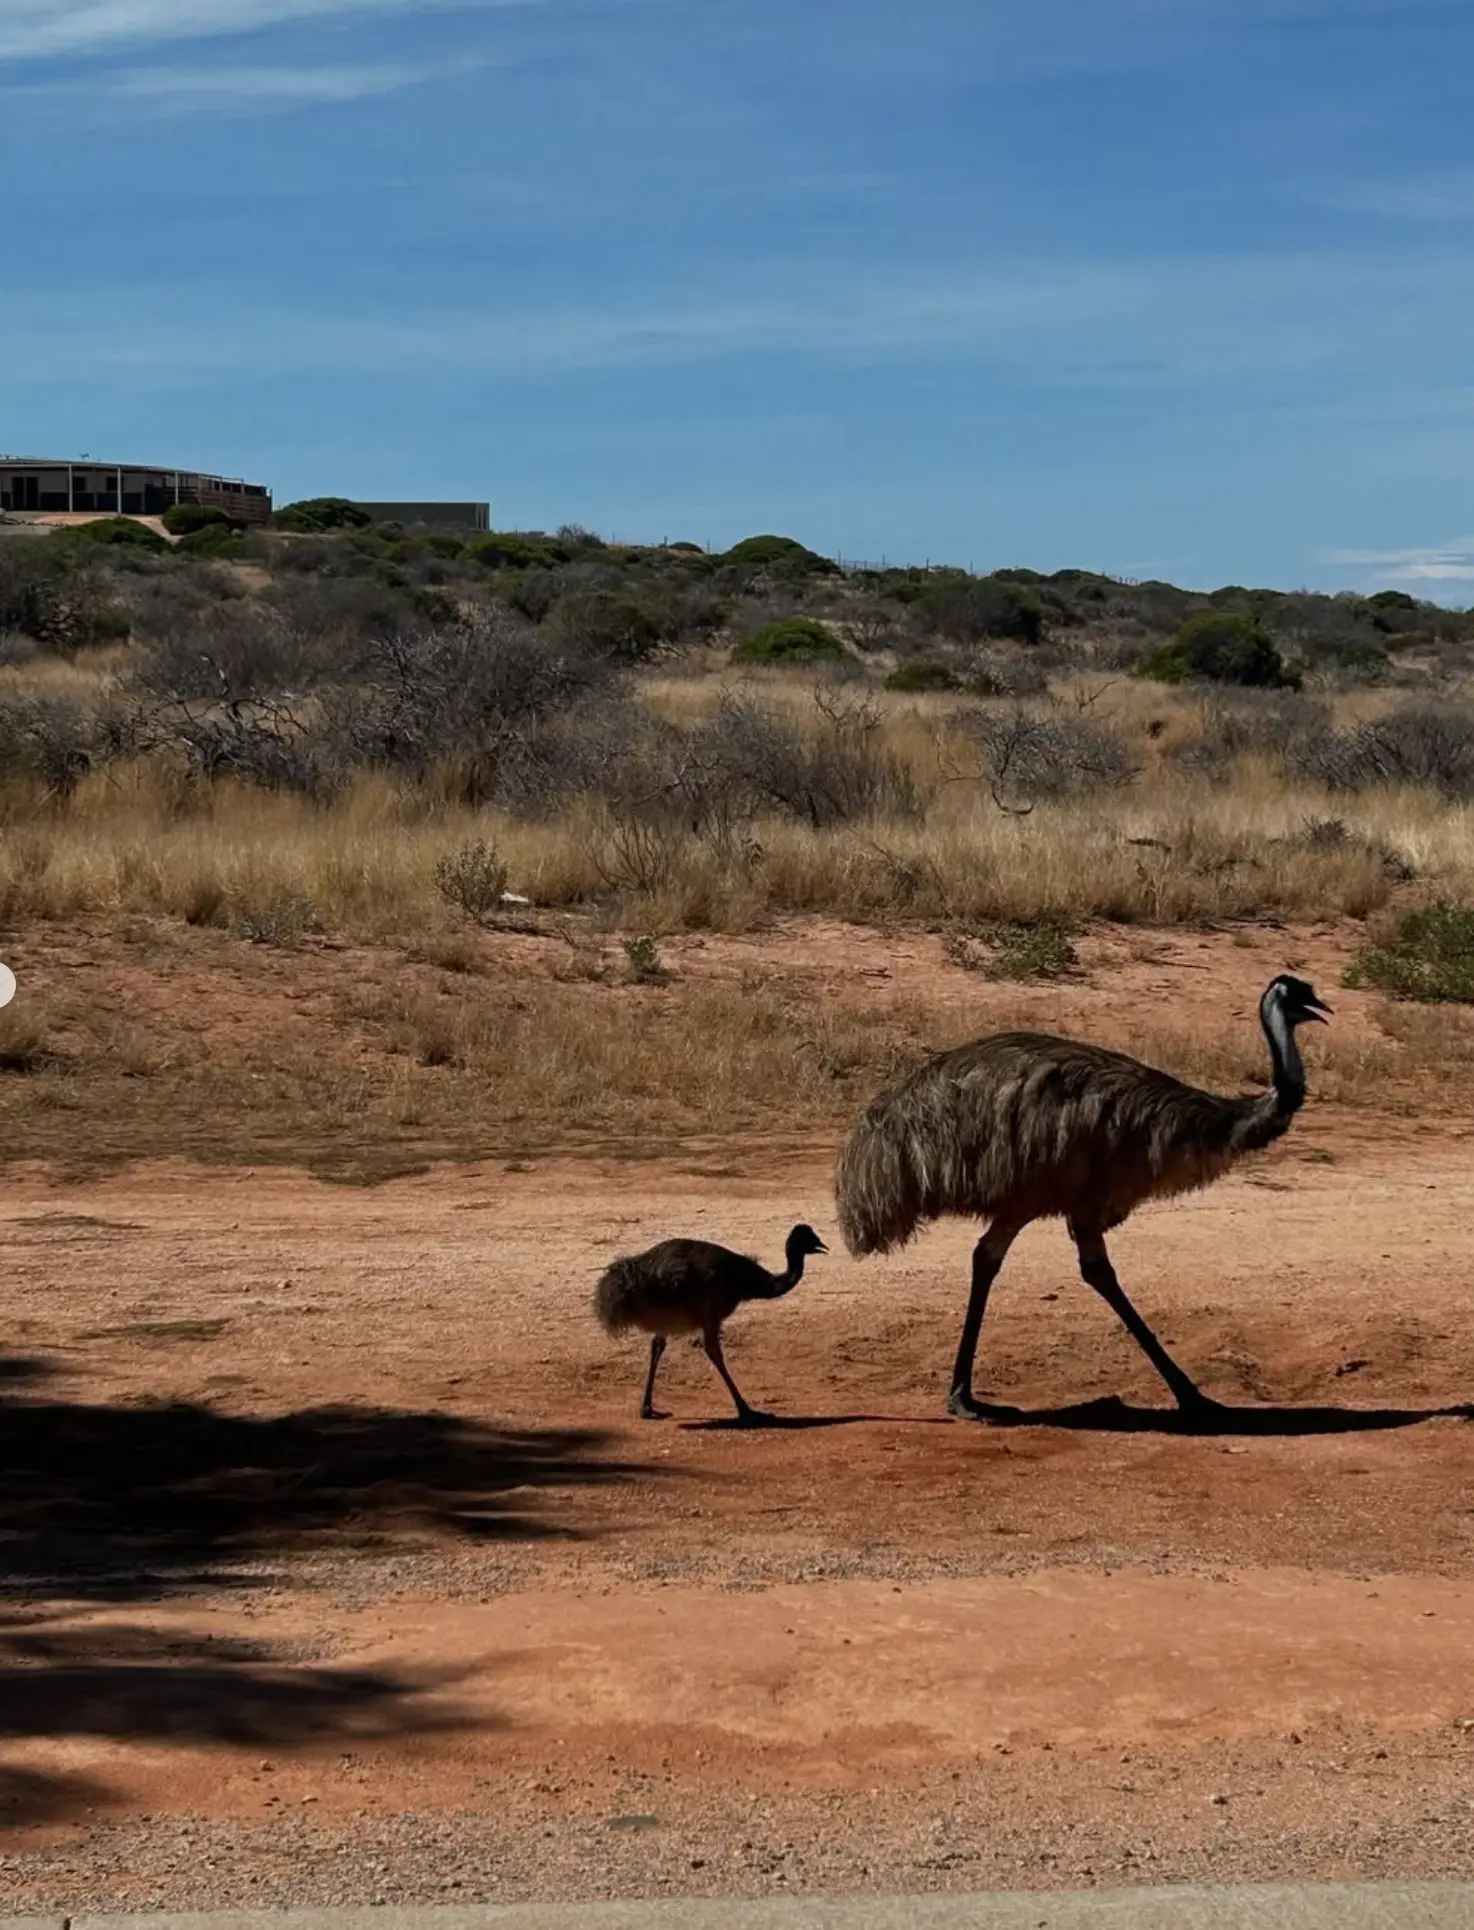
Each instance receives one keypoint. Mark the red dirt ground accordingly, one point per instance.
(337, 1567)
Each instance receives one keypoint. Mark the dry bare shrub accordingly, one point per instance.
(1005, 673)
(273, 917)
(1029, 758)
(639, 849)
(836, 770)
(25, 1038)
(1419, 743)
(52, 739)
(1269, 721)
(456, 697)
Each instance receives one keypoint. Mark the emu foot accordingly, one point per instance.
(1194, 1405)
(967, 1407)
(649, 1413)
(755, 1417)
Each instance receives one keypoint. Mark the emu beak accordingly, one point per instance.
(821, 1248)
(1318, 1010)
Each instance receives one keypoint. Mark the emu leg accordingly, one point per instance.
(711, 1340)
(647, 1405)
(987, 1257)
(1097, 1272)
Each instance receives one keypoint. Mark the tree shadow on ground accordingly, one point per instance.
(146, 1504)
(1112, 1415)
(129, 1502)
(125, 1682)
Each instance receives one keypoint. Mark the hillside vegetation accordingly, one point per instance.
(306, 730)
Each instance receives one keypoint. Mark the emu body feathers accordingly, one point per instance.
(1036, 1127)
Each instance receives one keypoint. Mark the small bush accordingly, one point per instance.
(315, 515)
(1043, 949)
(1031, 760)
(281, 918)
(1420, 743)
(513, 551)
(923, 673)
(630, 624)
(473, 880)
(220, 540)
(971, 608)
(790, 640)
(782, 555)
(1219, 646)
(1427, 955)
(24, 1042)
(1274, 722)
(122, 532)
(642, 956)
(183, 519)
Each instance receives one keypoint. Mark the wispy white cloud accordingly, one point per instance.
(1311, 321)
(1434, 563)
(1427, 198)
(42, 29)
(193, 90)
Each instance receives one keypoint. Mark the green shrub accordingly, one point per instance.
(1223, 647)
(630, 623)
(642, 956)
(781, 554)
(121, 531)
(472, 878)
(511, 550)
(1043, 949)
(183, 519)
(790, 640)
(1428, 955)
(220, 540)
(315, 515)
(923, 673)
(971, 608)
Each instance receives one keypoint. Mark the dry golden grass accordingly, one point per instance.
(139, 1038)
(1165, 849)
(1168, 850)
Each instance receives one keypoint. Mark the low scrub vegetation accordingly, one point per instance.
(1426, 954)
(334, 715)
(790, 640)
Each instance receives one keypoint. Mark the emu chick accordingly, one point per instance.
(693, 1287)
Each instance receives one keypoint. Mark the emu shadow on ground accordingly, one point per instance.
(127, 1504)
(802, 1423)
(1111, 1415)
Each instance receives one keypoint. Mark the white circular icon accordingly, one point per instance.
(7, 985)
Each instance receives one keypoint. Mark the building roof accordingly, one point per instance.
(100, 462)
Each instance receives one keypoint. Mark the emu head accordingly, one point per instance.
(803, 1239)
(1293, 1002)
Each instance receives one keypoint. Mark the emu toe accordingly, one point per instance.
(967, 1407)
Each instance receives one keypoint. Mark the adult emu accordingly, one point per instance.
(1021, 1127)
(692, 1287)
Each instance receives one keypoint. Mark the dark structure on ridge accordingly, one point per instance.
(1021, 1127)
(692, 1287)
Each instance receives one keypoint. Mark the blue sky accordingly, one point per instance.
(1177, 288)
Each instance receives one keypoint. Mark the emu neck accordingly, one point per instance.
(788, 1279)
(1266, 1118)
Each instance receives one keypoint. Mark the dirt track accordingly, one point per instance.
(488, 1635)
